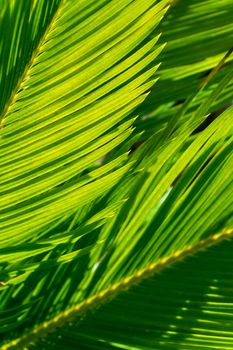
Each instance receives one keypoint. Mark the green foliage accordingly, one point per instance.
(116, 203)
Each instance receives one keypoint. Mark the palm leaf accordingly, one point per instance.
(202, 207)
(44, 144)
(86, 228)
(188, 306)
(198, 35)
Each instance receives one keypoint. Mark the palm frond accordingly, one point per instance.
(189, 306)
(60, 125)
(198, 35)
(93, 234)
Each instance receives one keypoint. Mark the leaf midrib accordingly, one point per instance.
(115, 289)
(22, 78)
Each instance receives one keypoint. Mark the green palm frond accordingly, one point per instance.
(187, 307)
(198, 34)
(104, 246)
(22, 26)
(56, 127)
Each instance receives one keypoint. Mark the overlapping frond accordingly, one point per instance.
(198, 34)
(189, 306)
(182, 199)
(84, 220)
(73, 108)
(68, 103)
